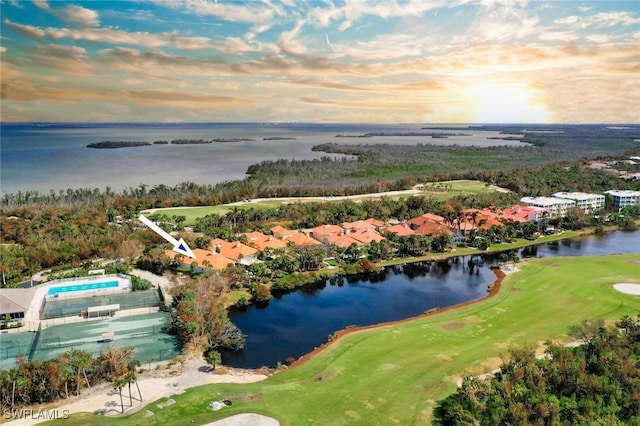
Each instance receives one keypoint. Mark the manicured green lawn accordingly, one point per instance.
(192, 213)
(469, 186)
(395, 374)
(445, 190)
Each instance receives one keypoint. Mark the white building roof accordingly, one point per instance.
(623, 193)
(16, 299)
(580, 196)
(547, 201)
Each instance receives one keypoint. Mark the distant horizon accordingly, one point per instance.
(366, 61)
(326, 123)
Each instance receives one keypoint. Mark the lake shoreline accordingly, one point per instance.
(494, 289)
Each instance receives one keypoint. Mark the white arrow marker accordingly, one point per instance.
(178, 246)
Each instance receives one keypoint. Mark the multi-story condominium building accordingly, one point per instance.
(585, 201)
(624, 198)
(556, 206)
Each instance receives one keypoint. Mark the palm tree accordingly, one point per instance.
(131, 366)
(119, 385)
(129, 378)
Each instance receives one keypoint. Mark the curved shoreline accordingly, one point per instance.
(494, 288)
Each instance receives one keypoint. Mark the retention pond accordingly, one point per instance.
(293, 324)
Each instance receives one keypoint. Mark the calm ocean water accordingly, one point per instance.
(46, 157)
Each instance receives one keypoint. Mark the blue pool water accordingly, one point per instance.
(82, 287)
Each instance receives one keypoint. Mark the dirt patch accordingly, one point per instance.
(453, 325)
(386, 367)
(244, 397)
(554, 265)
(634, 261)
(443, 357)
(353, 414)
(322, 377)
(516, 289)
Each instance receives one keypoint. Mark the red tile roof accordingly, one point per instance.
(343, 241)
(232, 250)
(365, 236)
(263, 242)
(300, 239)
(402, 230)
(205, 259)
(430, 228)
(323, 231)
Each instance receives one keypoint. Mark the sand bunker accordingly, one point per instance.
(628, 288)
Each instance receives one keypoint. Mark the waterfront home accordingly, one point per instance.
(236, 251)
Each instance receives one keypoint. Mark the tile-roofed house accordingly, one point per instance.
(358, 224)
(321, 232)
(365, 236)
(430, 228)
(205, 259)
(235, 250)
(418, 221)
(300, 239)
(486, 223)
(341, 240)
(524, 213)
(282, 232)
(263, 242)
(401, 230)
(370, 223)
(375, 222)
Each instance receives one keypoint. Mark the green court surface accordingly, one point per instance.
(12, 345)
(145, 333)
(58, 308)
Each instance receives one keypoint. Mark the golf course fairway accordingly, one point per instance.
(394, 374)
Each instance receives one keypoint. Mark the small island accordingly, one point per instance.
(278, 138)
(189, 142)
(226, 140)
(117, 144)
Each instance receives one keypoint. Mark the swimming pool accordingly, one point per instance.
(82, 287)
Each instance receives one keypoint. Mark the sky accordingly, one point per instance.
(383, 61)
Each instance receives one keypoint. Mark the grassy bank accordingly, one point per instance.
(395, 374)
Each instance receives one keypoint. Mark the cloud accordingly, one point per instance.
(69, 59)
(598, 38)
(79, 15)
(315, 100)
(255, 13)
(113, 36)
(288, 40)
(71, 14)
(28, 31)
(569, 20)
(133, 81)
(610, 19)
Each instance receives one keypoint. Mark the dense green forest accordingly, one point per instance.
(595, 382)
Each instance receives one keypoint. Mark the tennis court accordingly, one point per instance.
(12, 345)
(145, 333)
(55, 308)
